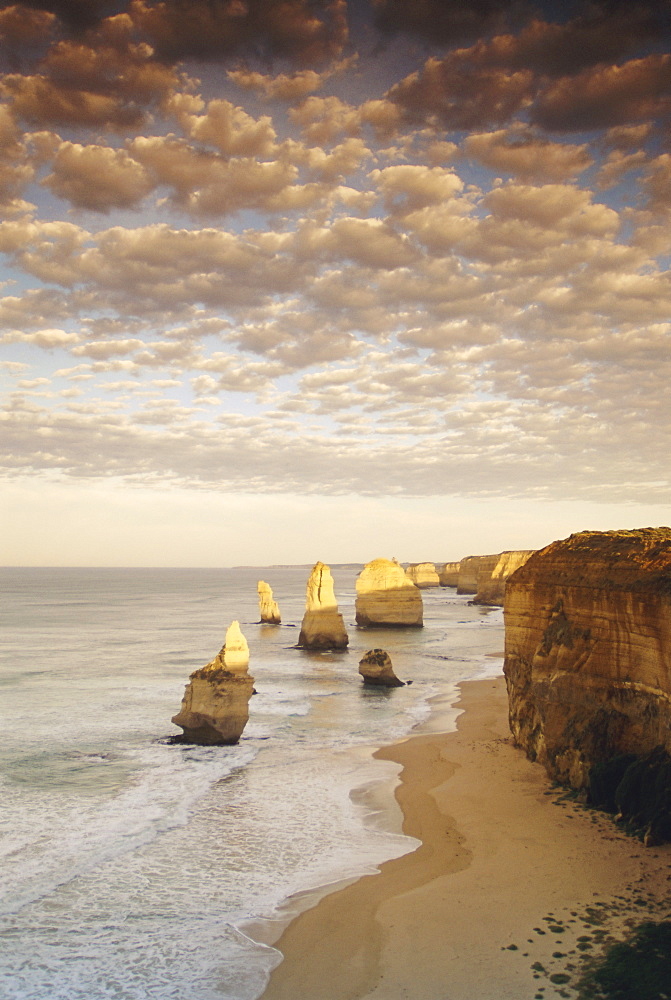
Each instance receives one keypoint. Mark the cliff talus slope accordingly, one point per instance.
(588, 650)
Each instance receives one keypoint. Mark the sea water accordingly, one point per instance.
(132, 869)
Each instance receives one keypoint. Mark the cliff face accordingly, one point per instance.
(386, 596)
(588, 650)
(471, 568)
(492, 581)
(448, 574)
(423, 575)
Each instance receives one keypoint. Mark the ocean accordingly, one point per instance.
(134, 869)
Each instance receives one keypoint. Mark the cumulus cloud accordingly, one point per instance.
(456, 93)
(530, 157)
(305, 32)
(607, 96)
(97, 177)
(426, 274)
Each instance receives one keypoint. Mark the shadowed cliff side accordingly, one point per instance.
(588, 650)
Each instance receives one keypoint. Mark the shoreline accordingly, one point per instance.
(509, 874)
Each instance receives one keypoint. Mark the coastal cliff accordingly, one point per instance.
(588, 651)
(471, 568)
(423, 575)
(448, 574)
(491, 580)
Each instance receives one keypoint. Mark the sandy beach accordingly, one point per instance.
(512, 889)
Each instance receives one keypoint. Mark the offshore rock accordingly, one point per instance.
(469, 570)
(215, 706)
(375, 668)
(492, 583)
(323, 626)
(588, 650)
(448, 574)
(423, 575)
(386, 597)
(268, 609)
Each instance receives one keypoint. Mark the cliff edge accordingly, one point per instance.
(588, 650)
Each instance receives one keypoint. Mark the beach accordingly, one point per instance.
(514, 887)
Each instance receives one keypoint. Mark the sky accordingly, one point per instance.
(289, 280)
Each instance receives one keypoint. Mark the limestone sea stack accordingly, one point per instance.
(588, 650)
(423, 575)
(323, 626)
(386, 597)
(268, 609)
(469, 570)
(492, 582)
(448, 574)
(376, 668)
(215, 706)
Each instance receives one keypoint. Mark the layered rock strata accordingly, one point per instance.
(423, 575)
(588, 650)
(376, 668)
(215, 706)
(492, 583)
(322, 626)
(469, 570)
(386, 597)
(268, 609)
(448, 574)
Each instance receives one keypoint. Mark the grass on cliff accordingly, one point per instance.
(636, 969)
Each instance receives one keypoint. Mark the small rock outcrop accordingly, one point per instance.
(588, 650)
(423, 575)
(448, 574)
(386, 597)
(215, 706)
(469, 570)
(322, 626)
(375, 667)
(492, 583)
(268, 609)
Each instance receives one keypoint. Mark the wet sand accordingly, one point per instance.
(513, 887)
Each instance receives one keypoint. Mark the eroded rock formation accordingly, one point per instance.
(423, 575)
(268, 609)
(376, 668)
(385, 596)
(448, 574)
(469, 570)
(588, 650)
(215, 706)
(492, 582)
(323, 626)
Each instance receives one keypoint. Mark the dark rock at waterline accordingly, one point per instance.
(376, 668)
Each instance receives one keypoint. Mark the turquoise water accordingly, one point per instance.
(131, 865)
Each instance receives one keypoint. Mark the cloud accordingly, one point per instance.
(456, 93)
(607, 96)
(445, 21)
(304, 32)
(97, 177)
(232, 131)
(206, 184)
(527, 156)
(47, 339)
(107, 80)
(406, 188)
(288, 86)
